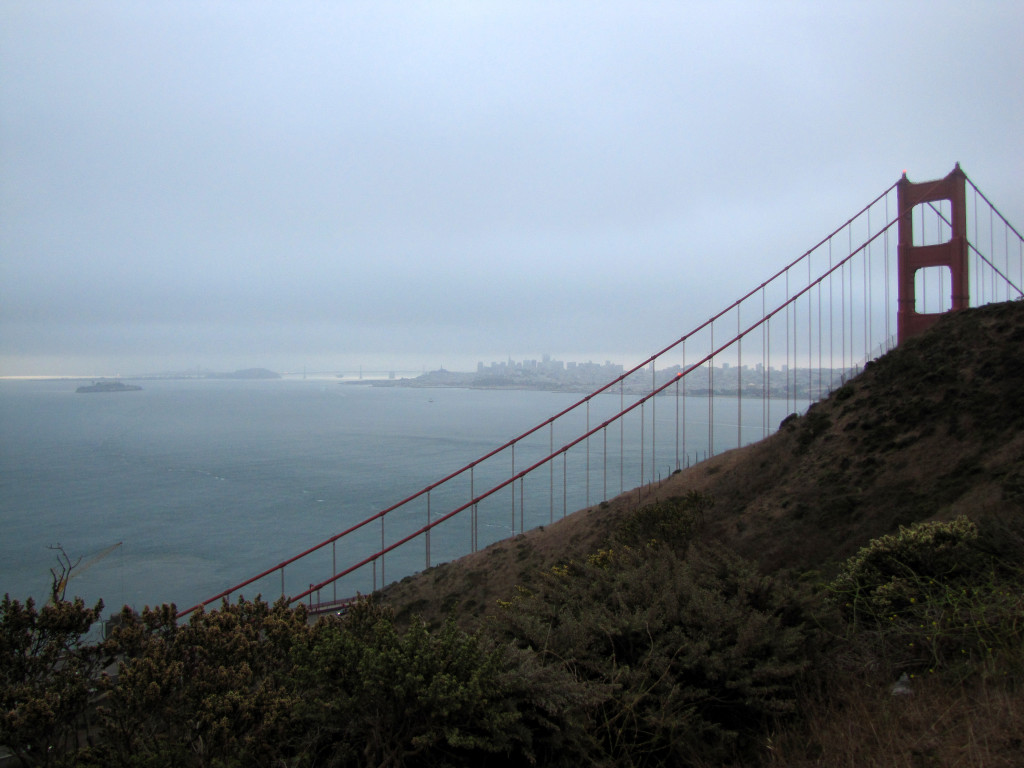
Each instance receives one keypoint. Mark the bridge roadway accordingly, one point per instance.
(339, 607)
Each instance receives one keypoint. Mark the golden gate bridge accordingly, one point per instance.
(912, 254)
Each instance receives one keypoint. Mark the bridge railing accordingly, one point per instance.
(726, 383)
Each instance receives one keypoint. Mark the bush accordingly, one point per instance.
(377, 696)
(674, 522)
(213, 691)
(46, 676)
(688, 657)
(934, 594)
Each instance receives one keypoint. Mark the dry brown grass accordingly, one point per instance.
(864, 726)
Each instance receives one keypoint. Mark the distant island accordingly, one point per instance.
(107, 386)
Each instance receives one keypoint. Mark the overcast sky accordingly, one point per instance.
(416, 185)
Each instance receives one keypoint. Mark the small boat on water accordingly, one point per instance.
(108, 386)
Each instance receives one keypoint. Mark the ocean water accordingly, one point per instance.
(207, 482)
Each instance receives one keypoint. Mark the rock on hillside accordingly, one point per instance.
(931, 430)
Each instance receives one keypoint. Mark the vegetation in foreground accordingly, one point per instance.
(656, 650)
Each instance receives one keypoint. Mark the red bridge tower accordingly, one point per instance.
(911, 258)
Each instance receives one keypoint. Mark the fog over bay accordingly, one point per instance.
(329, 185)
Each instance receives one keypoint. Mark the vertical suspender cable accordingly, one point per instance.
(786, 367)
(1006, 252)
(512, 487)
(866, 255)
(977, 282)
(796, 341)
(654, 423)
(820, 362)
(983, 271)
(796, 351)
(850, 303)
(1020, 262)
(831, 318)
(677, 422)
(684, 397)
(426, 536)
(765, 394)
(522, 505)
(551, 472)
(587, 494)
(810, 332)
(739, 380)
(711, 395)
(642, 442)
(888, 326)
(992, 248)
(842, 274)
(622, 432)
(565, 481)
(767, 368)
(604, 465)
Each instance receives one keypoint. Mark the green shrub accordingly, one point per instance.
(935, 595)
(895, 571)
(215, 690)
(374, 695)
(46, 672)
(689, 656)
(674, 522)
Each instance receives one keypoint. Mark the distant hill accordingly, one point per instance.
(247, 373)
(931, 430)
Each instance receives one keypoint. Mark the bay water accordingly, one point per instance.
(204, 483)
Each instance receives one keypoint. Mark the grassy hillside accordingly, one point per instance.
(931, 430)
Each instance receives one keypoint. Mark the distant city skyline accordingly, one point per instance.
(608, 366)
(725, 379)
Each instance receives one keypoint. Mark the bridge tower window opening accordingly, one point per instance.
(928, 298)
(931, 223)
